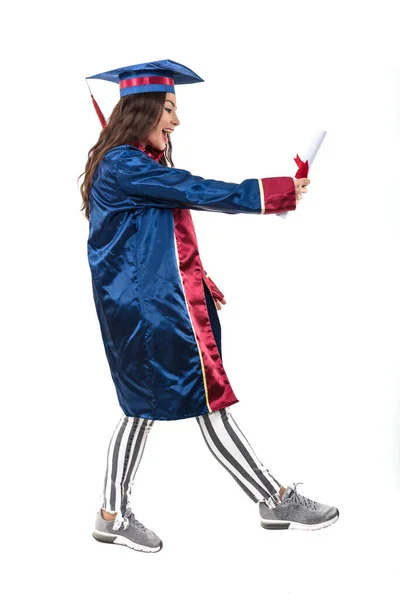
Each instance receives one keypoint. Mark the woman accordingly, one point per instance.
(157, 306)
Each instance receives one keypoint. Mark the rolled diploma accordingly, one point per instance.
(313, 148)
(309, 155)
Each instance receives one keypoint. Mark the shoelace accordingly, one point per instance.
(129, 519)
(302, 500)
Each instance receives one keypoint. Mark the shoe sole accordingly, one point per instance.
(120, 540)
(276, 525)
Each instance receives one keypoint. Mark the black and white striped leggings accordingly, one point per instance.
(222, 436)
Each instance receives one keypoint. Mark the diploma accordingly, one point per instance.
(313, 148)
(309, 156)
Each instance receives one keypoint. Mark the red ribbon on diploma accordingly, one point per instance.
(303, 167)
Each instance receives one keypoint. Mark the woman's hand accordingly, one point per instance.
(218, 303)
(300, 186)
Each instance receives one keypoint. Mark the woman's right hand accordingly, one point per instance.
(300, 186)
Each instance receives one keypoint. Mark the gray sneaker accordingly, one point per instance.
(297, 512)
(130, 533)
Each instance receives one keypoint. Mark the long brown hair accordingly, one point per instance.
(133, 117)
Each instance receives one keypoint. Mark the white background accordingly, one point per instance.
(310, 333)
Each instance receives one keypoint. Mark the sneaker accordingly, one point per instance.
(129, 533)
(297, 512)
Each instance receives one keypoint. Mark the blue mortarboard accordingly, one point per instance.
(159, 76)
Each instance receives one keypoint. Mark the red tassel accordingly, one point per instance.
(99, 113)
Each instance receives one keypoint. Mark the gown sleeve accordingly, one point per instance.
(150, 184)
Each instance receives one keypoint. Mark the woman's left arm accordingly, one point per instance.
(147, 183)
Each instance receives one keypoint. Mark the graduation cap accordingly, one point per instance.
(158, 76)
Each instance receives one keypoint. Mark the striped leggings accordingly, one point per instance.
(222, 436)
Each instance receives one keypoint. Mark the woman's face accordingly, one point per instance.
(157, 137)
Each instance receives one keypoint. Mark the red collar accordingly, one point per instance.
(150, 151)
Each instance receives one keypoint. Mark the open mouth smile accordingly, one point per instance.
(167, 132)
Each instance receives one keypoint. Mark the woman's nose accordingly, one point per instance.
(175, 120)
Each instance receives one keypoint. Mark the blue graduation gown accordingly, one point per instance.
(152, 295)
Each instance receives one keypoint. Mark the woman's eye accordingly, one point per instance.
(168, 110)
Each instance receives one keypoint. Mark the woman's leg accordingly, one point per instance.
(232, 450)
(124, 455)
(279, 508)
(115, 523)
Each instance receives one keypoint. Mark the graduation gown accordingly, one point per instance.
(152, 295)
